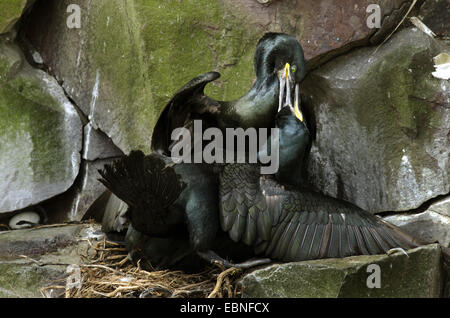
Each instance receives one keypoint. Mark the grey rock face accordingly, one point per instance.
(114, 217)
(436, 14)
(41, 133)
(421, 276)
(74, 203)
(382, 123)
(97, 145)
(429, 226)
(100, 64)
(88, 190)
(442, 206)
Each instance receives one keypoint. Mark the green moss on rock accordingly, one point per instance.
(25, 280)
(40, 135)
(115, 52)
(417, 275)
(10, 11)
(183, 41)
(134, 55)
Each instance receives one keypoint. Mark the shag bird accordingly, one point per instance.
(274, 218)
(291, 224)
(173, 210)
(279, 66)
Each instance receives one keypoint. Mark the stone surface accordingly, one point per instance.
(322, 27)
(419, 275)
(381, 125)
(129, 57)
(88, 190)
(436, 15)
(41, 133)
(441, 206)
(101, 65)
(428, 226)
(35, 258)
(97, 145)
(114, 216)
(10, 12)
(74, 203)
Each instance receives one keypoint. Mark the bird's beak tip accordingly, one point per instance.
(298, 112)
(287, 70)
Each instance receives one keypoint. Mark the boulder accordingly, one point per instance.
(41, 133)
(420, 274)
(33, 259)
(381, 123)
(324, 29)
(99, 62)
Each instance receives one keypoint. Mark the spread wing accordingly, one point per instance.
(243, 209)
(187, 104)
(308, 225)
(294, 225)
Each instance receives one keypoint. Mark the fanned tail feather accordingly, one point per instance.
(143, 181)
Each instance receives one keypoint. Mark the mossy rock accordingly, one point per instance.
(41, 134)
(420, 274)
(10, 12)
(129, 57)
(32, 259)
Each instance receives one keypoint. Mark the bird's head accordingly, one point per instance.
(281, 55)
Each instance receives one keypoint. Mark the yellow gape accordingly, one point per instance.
(287, 70)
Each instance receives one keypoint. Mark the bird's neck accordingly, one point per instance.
(258, 107)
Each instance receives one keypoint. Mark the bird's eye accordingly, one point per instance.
(293, 68)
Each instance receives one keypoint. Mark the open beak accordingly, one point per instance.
(287, 93)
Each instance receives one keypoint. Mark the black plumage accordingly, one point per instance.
(293, 224)
(188, 207)
(276, 219)
(284, 220)
(257, 108)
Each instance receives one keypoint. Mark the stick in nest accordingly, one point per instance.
(220, 278)
(103, 276)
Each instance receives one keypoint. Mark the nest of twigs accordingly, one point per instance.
(108, 272)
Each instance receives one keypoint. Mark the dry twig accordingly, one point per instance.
(104, 276)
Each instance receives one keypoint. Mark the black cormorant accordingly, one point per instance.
(280, 67)
(276, 219)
